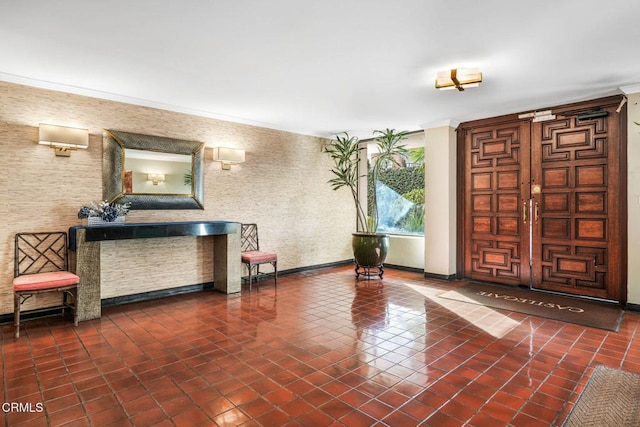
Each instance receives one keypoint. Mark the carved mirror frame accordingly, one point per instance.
(114, 146)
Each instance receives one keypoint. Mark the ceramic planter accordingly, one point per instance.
(370, 251)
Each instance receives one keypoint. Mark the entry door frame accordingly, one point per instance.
(621, 235)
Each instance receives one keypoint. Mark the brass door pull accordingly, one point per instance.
(537, 212)
(525, 211)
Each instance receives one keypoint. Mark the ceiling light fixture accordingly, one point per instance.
(459, 78)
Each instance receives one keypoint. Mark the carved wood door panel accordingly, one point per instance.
(543, 203)
(495, 214)
(575, 162)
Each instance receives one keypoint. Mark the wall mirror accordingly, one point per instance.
(152, 172)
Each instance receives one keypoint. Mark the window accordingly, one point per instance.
(400, 189)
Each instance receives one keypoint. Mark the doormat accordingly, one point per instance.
(610, 398)
(572, 310)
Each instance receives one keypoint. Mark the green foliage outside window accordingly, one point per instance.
(400, 193)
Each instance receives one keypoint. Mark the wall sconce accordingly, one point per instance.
(228, 156)
(63, 139)
(459, 78)
(155, 178)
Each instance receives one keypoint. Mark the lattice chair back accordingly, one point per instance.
(41, 265)
(249, 238)
(40, 253)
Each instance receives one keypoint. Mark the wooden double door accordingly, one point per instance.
(543, 202)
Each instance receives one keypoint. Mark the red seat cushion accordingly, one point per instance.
(38, 281)
(256, 257)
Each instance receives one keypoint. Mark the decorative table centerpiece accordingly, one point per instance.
(104, 212)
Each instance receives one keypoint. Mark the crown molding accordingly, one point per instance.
(442, 123)
(628, 90)
(77, 90)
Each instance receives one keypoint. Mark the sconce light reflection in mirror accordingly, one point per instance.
(155, 178)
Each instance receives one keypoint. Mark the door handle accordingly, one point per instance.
(525, 212)
(536, 212)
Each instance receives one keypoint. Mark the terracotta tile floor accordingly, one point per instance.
(320, 350)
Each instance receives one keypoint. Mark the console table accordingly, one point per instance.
(84, 247)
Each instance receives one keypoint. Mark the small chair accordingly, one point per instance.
(41, 265)
(252, 256)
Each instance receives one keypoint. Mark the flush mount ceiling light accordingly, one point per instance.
(459, 78)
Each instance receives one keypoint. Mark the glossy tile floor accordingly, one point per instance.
(321, 350)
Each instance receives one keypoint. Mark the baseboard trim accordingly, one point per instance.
(448, 278)
(151, 295)
(404, 268)
(33, 314)
(316, 267)
(632, 307)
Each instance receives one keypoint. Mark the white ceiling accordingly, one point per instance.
(320, 67)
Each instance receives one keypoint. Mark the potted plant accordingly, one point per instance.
(369, 247)
(103, 212)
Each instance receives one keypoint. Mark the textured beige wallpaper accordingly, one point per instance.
(282, 187)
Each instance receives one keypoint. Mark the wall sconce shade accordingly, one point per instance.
(155, 178)
(228, 156)
(459, 78)
(63, 139)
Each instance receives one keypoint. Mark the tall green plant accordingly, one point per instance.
(344, 150)
(390, 150)
(345, 153)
